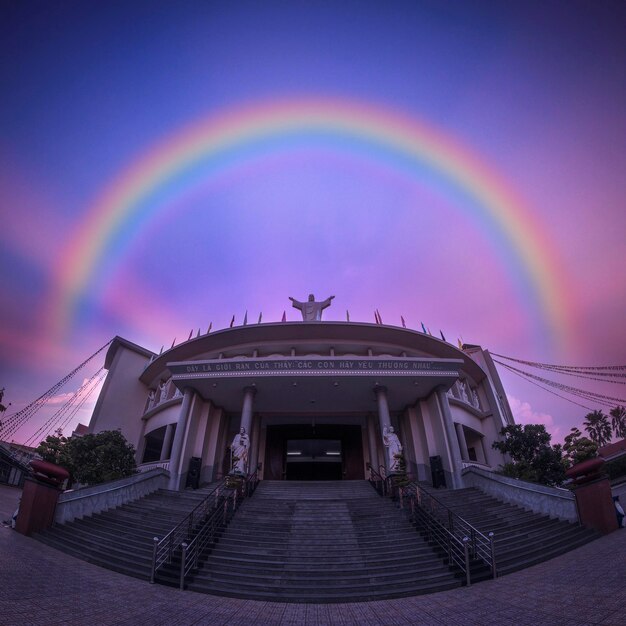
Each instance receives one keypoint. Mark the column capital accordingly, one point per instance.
(379, 389)
(249, 390)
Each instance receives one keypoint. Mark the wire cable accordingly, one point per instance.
(14, 421)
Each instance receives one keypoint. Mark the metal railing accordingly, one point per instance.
(385, 485)
(457, 549)
(163, 549)
(458, 530)
(215, 522)
(378, 480)
(461, 541)
(146, 467)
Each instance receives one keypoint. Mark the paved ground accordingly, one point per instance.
(39, 585)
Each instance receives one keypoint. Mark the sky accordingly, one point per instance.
(164, 166)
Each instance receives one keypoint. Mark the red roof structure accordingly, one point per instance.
(613, 450)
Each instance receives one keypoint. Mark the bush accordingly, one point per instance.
(91, 459)
(532, 456)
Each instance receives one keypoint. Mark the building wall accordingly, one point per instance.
(123, 397)
(430, 426)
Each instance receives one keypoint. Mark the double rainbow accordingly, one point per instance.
(220, 142)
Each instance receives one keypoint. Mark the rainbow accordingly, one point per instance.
(223, 141)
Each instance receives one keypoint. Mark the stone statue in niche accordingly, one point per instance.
(162, 391)
(475, 400)
(394, 448)
(463, 391)
(151, 398)
(239, 452)
(311, 310)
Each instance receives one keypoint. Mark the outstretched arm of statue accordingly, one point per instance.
(327, 302)
(296, 303)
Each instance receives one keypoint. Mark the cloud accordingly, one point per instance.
(89, 403)
(524, 414)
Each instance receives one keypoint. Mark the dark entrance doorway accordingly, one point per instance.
(313, 459)
(327, 452)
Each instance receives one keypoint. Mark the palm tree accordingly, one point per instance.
(618, 421)
(597, 426)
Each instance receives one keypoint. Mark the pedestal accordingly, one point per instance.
(37, 507)
(595, 505)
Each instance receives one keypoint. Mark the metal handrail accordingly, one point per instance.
(377, 481)
(457, 549)
(218, 519)
(163, 549)
(481, 546)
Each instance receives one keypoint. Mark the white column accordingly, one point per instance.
(383, 416)
(453, 445)
(371, 438)
(179, 439)
(482, 447)
(167, 442)
(246, 410)
(254, 444)
(462, 443)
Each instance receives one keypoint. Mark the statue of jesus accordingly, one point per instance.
(311, 310)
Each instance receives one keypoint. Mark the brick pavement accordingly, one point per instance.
(41, 586)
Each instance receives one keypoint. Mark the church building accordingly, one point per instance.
(309, 400)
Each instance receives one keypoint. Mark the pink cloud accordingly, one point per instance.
(524, 413)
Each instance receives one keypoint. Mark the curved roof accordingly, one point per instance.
(309, 338)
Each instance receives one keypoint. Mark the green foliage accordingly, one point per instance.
(598, 427)
(618, 421)
(578, 448)
(233, 481)
(399, 477)
(532, 456)
(91, 459)
(53, 450)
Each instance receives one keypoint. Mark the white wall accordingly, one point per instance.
(123, 398)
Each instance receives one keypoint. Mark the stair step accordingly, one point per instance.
(313, 542)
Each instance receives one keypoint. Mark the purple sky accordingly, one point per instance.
(537, 90)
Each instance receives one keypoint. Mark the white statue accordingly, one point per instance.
(463, 391)
(239, 451)
(311, 310)
(151, 399)
(394, 448)
(475, 400)
(162, 391)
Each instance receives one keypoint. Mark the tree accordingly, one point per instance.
(578, 448)
(597, 426)
(53, 449)
(91, 459)
(532, 456)
(618, 421)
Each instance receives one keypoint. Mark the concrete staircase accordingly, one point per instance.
(314, 542)
(320, 542)
(522, 538)
(121, 539)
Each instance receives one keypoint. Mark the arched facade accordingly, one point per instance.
(315, 400)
